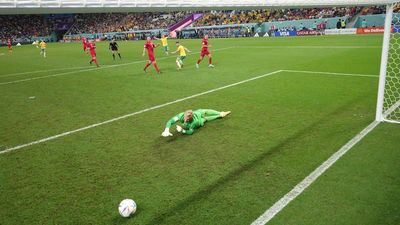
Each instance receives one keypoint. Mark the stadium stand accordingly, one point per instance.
(117, 22)
(259, 16)
(373, 10)
(23, 28)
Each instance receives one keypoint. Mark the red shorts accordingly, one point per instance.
(10, 47)
(93, 54)
(204, 52)
(152, 58)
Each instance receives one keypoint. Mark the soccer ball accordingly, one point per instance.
(127, 207)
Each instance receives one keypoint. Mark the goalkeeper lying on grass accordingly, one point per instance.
(192, 119)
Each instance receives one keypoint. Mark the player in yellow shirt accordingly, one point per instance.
(42, 46)
(182, 54)
(164, 42)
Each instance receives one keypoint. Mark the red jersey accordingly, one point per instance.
(92, 48)
(150, 47)
(85, 43)
(205, 45)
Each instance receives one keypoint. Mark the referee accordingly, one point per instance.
(114, 48)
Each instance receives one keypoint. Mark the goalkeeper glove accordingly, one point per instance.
(179, 128)
(166, 133)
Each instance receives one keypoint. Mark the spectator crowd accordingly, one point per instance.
(26, 26)
(118, 22)
(272, 15)
(21, 26)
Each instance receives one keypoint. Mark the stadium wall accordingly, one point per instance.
(377, 20)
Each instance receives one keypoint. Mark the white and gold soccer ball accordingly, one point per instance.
(127, 207)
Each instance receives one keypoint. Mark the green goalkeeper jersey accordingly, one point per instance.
(188, 128)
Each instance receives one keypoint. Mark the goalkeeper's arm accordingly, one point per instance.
(173, 120)
(188, 132)
(170, 122)
(184, 131)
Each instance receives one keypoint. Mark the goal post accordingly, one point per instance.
(388, 102)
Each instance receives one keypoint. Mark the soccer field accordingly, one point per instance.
(76, 139)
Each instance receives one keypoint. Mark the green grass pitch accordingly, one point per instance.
(230, 171)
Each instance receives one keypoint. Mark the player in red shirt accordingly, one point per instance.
(92, 49)
(149, 46)
(85, 44)
(9, 44)
(205, 52)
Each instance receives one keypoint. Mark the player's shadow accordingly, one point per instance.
(202, 193)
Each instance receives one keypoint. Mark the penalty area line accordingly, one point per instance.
(40, 71)
(311, 47)
(135, 113)
(331, 73)
(306, 182)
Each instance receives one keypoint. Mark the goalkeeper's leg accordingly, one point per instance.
(210, 114)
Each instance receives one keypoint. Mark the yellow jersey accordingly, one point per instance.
(181, 50)
(42, 45)
(164, 41)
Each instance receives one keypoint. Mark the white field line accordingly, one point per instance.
(99, 68)
(331, 73)
(152, 108)
(300, 187)
(240, 46)
(40, 71)
(311, 46)
(53, 75)
(134, 113)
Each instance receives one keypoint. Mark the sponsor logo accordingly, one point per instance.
(308, 32)
(372, 30)
(341, 31)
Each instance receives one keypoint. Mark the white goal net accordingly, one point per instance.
(389, 87)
